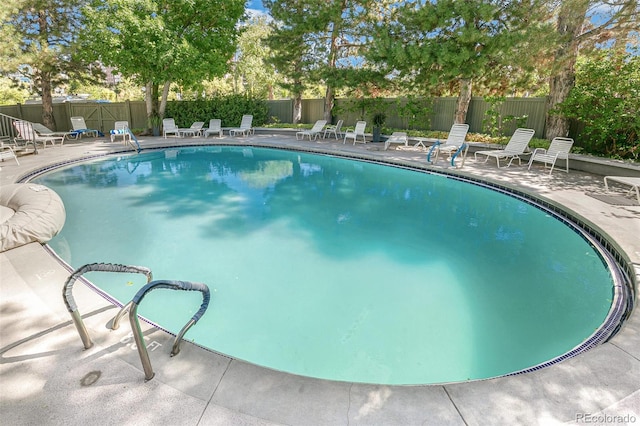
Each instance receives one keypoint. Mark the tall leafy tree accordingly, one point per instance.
(290, 50)
(321, 40)
(158, 42)
(258, 75)
(606, 99)
(39, 42)
(456, 42)
(578, 25)
(250, 71)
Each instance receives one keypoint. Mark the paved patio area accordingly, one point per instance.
(47, 378)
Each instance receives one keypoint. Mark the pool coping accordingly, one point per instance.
(603, 381)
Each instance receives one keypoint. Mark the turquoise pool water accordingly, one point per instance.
(334, 268)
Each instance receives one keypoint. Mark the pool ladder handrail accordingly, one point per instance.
(135, 324)
(72, 307)
(462, 150)
(132, 307)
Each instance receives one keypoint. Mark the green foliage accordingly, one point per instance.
(372, 110)
(155, 121)
(94, 91)
(518, 120)
(432, 45)
(229, 109)
(158, 41)
(39, 43)
(252, 72)
(11, 93)
(492, 123)
(350, 106)
(290, 42)
(323, 41)
(417, 111)
(606, 99)
(378, 119)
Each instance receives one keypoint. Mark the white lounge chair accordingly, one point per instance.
(215, 126)
(333, 129)
(194, 130)
(120, 128)
(313, 132)
(455, 140)
(6, 152)
(516, 146)
(396, 137)
(43, 130)
(169, 127)
(559, 149)
(18, 144)
(80, 128)
(633, 182)
(355, 132)
(245, 126)
(26, 133)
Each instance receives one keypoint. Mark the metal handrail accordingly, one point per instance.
(10, 135)
(135, 324)
(69, 301)
(6, 126)
(433, 147)
(462, 150)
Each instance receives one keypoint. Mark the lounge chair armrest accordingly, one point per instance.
(539, 150)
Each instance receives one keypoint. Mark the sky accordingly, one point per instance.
(255, 5)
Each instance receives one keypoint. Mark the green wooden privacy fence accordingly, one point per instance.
(434, 115)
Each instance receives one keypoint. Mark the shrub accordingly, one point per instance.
(229, 109)
(606, 99)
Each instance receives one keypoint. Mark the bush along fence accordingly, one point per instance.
(492, 116)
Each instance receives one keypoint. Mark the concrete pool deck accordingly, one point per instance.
(46, 377)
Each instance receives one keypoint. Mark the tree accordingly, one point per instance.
(445, 42)
(258, 75)
(39, 42)
(575, 29)
(606, 99)
(290, 52)
(321, 40)
(158, 42)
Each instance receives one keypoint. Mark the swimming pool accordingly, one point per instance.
(338, 269)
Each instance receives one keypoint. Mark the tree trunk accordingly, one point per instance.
(45, 76)
(148, 100)
(569, 26)
(329, 96)
(154, 107)
(47, 102)
(464, 98)
(559, 87)
(328, 103)
(165, 97)
(297, 108)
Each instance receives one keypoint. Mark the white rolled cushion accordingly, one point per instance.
(39, 214)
